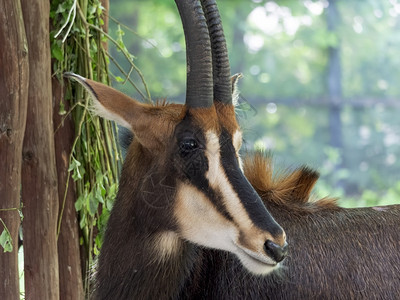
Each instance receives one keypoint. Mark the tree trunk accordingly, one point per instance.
(14, 99)
(39, 177)
(70, 272)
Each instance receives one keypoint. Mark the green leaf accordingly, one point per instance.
(98, 241)
(6, 241)
(79, 203)
(119, 79)
(96, 250)
(92, 204)
(78, 170)
(60, 8)
(98, 195)
(109, 205)
(100, 9)
(92, 10)
(56, 52)
(74, 164)
(62, 111)
(82, 222)
(112, 192)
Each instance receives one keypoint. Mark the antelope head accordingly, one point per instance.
(182, 178)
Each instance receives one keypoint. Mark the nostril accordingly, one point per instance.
(278, 253)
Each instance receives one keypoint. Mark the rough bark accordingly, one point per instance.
(70, 273)
(14, 99)
(39, 177)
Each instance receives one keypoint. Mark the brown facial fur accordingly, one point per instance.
(156, 125)
(206, 119)
(227, 117)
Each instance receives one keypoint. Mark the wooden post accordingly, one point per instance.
(13, 105)
(70, 270)
(39, 177)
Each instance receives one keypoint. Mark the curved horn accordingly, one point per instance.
(199, 82)
(221, 68)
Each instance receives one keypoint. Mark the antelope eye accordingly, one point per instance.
(188, 144)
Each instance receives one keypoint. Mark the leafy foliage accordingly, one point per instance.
(95, 160)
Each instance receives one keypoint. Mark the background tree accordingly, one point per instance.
(14, 94)
(69, 258)
(39, 177)
(85, 148)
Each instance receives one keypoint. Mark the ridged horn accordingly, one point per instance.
(221, 68)
(199, 81)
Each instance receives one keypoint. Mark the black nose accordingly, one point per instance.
(277, 252)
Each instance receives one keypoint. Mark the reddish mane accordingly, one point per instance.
(291, 189)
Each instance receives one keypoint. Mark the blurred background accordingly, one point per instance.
(320, 86)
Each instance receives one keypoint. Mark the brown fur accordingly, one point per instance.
(206, 118)
(156, 125)
(226, 115)
(153, 125)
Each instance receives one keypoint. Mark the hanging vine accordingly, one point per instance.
(77, 45)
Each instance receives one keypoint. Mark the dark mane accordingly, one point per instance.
(290, 189)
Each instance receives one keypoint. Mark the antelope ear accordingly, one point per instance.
(109, 103)
(125, 111)
(235, 91)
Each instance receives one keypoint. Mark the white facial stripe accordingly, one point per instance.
(218, 180)
(213, 155)
(200, 222)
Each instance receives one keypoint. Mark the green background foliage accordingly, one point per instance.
(282, 48)
(94, 162)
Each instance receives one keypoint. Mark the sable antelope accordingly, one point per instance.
(336, 253)
(181, 186)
